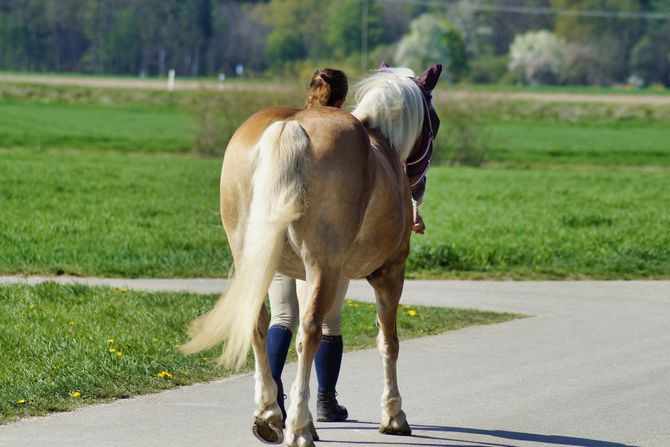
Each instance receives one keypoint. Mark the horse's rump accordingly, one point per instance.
(342, 177)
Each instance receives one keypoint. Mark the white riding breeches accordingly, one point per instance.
(284, 310)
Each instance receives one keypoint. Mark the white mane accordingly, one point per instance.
(389, 100)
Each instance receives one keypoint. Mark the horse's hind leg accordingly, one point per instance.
(388, 283)
(320, 292)
(267, 417)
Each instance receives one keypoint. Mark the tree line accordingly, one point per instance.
(601, 41)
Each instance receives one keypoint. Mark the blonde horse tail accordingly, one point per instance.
(277, 190)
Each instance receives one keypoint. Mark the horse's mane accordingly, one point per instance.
(389, 100)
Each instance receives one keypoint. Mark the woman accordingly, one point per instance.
(328, 87)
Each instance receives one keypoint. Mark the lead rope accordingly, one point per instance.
(415, 210)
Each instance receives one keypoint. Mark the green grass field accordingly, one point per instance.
(88, 126)
(544, 223)
(143, 215)
(633, 144)
(110, 215)
(67, 346)
(514, 132)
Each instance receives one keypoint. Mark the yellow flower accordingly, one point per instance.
(164, 375)
(32, 306)
(71, 322)
(21, 401)
(119, 353)
(110, 341)
(112, 350)
(411, 313)
(121, 289)
(75, 394)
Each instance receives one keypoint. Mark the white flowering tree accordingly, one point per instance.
(431, 40)
(537, 57)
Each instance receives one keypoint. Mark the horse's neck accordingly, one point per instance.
(383, 151)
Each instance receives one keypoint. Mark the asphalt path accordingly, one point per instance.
(590, 367)
(659, 99)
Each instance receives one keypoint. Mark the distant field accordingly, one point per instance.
(517, 133)
(98, 127)
(555, 142)
(141, 215)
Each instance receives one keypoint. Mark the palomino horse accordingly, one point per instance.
(319, 194)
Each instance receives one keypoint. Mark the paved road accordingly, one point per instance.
(591, 368)
(190, 84)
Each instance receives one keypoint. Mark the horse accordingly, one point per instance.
(320, 195)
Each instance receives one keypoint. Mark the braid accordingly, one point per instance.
(327, 88)
(319, 91)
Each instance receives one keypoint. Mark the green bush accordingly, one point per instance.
(462, 139)
(218, 114)
(488, 69)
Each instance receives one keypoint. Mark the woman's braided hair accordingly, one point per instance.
(328, 86)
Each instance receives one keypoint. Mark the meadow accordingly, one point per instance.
(68, 346)
(510, 132)
(139, 215)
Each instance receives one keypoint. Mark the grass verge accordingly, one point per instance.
(68, 346)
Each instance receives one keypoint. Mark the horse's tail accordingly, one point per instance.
(277, 190)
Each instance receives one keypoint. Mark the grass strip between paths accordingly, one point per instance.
(68, 346)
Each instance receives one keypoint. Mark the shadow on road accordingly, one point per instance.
(443, 437)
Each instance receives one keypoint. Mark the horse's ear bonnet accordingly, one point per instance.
(428, 78)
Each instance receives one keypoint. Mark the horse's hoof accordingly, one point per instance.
(267, 432)
(402, 430)
(312, 430)
(305, 439)
(396, 426)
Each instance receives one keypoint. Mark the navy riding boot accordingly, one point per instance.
(327, 362)
(277, 343)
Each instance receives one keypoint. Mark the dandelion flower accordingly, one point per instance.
(110, 341)
(164, 375)
(119, 353)
(21, 401)
(111, 350)
(75, 394)
(411, 313)
(71, 322)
